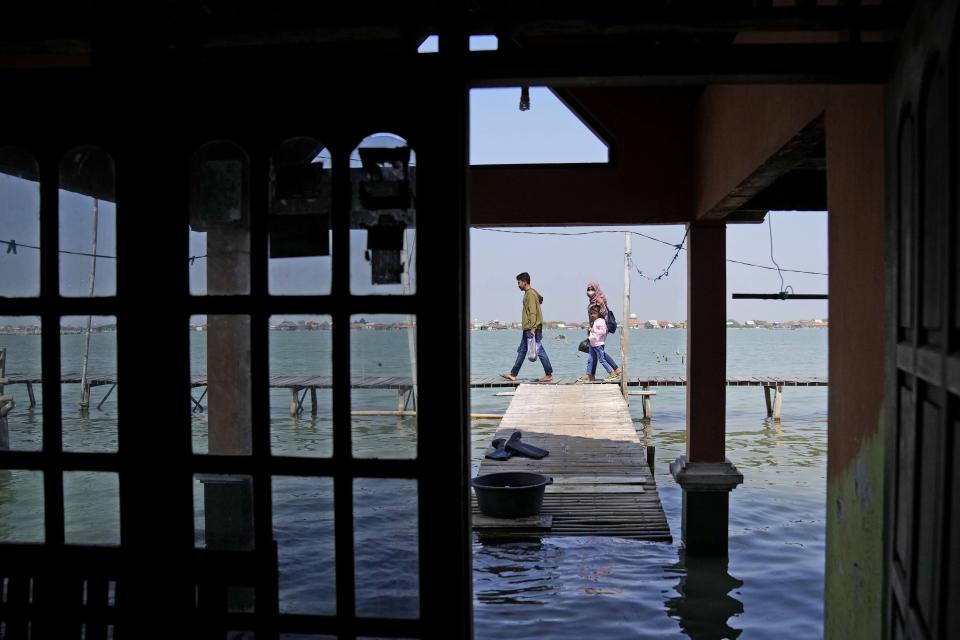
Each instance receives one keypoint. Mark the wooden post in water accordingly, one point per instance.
(777, 403)
(5, 405)
(84, 385)
(625, 321)
(412, 332)
(294, 402)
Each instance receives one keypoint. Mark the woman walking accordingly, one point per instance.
(598, 334)
(596, 297)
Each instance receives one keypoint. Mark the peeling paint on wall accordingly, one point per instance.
(854, 554)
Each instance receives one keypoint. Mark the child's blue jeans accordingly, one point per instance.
(595, 355)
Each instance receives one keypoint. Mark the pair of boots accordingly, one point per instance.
(505, 448)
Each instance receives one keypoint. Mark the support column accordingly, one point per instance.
(704, 473)
(706, 341)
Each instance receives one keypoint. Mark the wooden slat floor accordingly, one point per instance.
(602, 485)
(326, 382)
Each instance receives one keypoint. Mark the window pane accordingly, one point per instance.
(88, 224)
(220, 384)
(301, 397)
(300, 204)
(383, 178)
(21, 417)
(303, 529)
(386, 546)
(21, 506)
(383, 395)
(88, 366)
(219, 220)
(91, 507)
(20, 222)
(223, 512)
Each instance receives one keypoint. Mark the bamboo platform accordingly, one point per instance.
(602, 484)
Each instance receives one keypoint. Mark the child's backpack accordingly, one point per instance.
(611, 321)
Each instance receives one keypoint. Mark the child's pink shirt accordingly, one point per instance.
(598, 333)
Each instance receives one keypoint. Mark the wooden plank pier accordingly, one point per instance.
(300, 386)
(602, 484)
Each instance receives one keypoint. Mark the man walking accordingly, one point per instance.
(532, 324)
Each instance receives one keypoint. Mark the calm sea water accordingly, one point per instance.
(771, 585)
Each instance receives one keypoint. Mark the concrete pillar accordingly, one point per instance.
(706, 341)
(705, 474)
(228, 344)
(228, 500)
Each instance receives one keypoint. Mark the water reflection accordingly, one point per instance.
(518, 572)
(704, 605)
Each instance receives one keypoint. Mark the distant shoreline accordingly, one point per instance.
(397, 326)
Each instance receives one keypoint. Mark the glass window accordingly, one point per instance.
(91, 507)
(88, 224)
(21, 417)
(89, 391)
(386, 547)
(303, 528)
(383, 179)
(301, 386)
(219, 220)
(383, 386)
(20, 222)
(21, 506)
(300, 204)
(223, 512)
(220, 384)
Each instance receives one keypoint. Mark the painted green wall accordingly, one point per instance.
(854, 554)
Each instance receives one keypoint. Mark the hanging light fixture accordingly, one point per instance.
(524, 98)
(786, 291)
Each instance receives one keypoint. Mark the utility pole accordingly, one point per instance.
(625, 321)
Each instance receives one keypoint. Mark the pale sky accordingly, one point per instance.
(560, 265)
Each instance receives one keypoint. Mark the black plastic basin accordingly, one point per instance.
(511, 494)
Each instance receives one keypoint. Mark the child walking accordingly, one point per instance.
(598, 334)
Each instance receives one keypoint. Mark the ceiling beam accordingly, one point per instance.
(807, 142)
(683, 65)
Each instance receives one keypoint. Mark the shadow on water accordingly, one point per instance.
(704, 606)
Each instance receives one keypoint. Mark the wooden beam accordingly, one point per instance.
(803, 145)
(795, 190)
(683, 64)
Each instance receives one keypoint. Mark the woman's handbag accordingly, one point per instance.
(584, 346)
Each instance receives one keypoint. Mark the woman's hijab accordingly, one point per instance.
(596, 298)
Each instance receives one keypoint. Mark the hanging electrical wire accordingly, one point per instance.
(648, 237)
(13, 246)
(786, 291)
(783, 289)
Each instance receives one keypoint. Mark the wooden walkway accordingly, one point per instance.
(602, 485)
(663, 381)
(299, 386)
